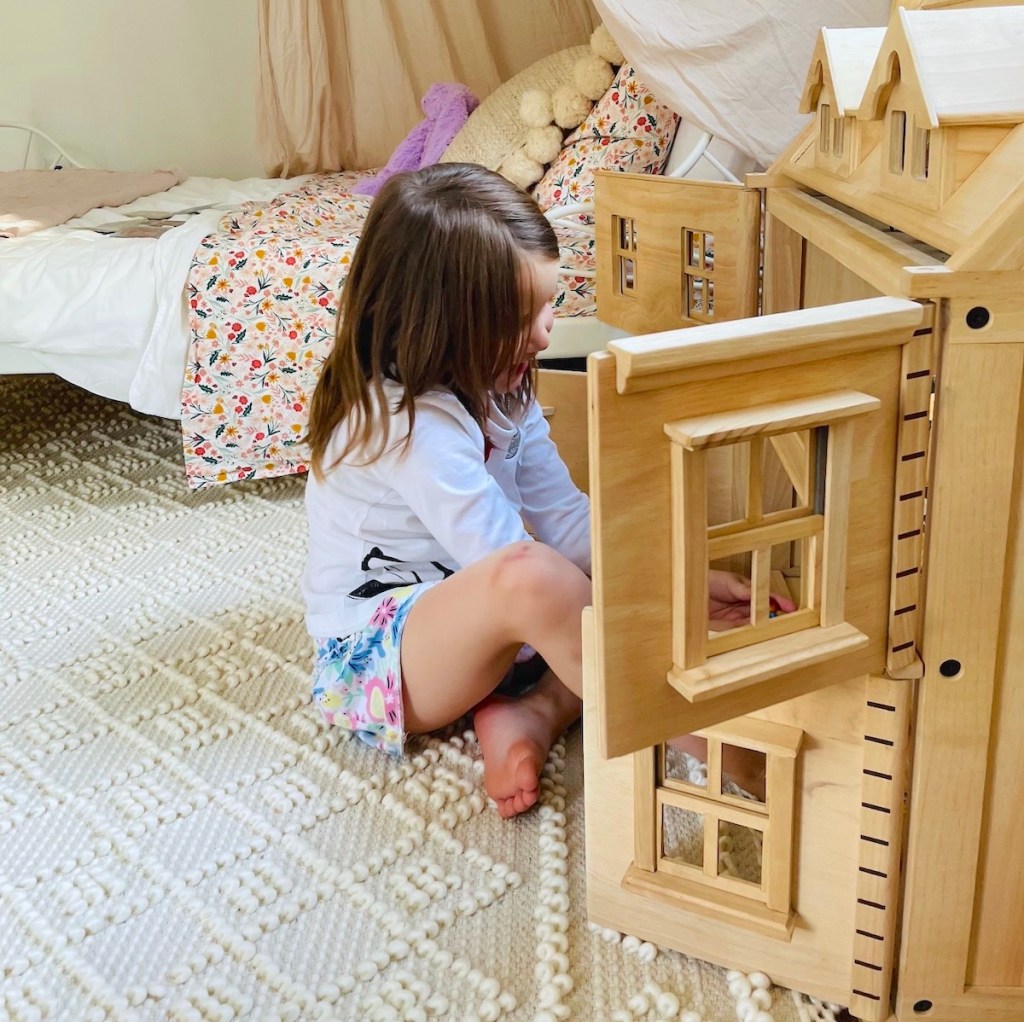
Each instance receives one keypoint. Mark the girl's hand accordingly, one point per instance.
(729, 600)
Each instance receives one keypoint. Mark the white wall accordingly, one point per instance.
(136, 84)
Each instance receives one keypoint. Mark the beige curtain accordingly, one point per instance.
(340, 81)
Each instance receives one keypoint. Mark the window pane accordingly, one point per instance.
(785, 471)
(695, 297)
(743, 773)
(785, 576)
(627, 233)
(627, 275)
(724, 616)
(682, 835)
(686, 760)
(739, 852)
(728, 470)
(694, 244)
(922, 153)
(897, 141)
(839, 136)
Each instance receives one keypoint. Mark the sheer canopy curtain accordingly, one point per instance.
(735, 68)
(341, 80)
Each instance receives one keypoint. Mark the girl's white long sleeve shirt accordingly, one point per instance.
(423, 510)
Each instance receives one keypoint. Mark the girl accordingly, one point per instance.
(428, 452)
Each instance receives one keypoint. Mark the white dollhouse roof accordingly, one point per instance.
(845, 57)
(967, 65)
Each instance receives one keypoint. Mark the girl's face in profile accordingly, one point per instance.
(539, 277)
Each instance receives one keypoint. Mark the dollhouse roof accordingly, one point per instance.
(844, 57)
(967, 65)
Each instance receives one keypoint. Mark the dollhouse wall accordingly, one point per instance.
(828, 947)
(819, 956)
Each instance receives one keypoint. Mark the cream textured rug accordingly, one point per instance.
(180, 838)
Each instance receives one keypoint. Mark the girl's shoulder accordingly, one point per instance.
(436, 410)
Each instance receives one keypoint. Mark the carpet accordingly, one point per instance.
(181, 838)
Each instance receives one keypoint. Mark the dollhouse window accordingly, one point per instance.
(698, 275)
(897, 141)
(704, 838)
(839, 131)
(815, 436)
(625, 255)
(824, 127)
(921, 153)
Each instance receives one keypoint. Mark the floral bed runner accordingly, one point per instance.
(263, 298)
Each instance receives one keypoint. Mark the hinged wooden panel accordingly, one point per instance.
(674, 253)
(964, 894)
(796, 357)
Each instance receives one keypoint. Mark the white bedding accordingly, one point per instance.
(109, 313)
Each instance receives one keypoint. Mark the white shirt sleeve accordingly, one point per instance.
(442, 477)
(556, 510)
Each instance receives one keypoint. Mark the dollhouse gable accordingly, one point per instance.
(939, 133)
(841, 65)
(947, 87)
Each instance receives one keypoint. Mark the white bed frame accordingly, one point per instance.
(571, 337)
(35, 140)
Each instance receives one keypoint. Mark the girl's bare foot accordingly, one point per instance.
(515, 737)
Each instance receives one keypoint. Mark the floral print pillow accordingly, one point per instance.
(628, 130)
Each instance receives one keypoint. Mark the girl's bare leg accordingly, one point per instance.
(463, 634)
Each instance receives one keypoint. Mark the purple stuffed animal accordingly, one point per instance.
(447, 106)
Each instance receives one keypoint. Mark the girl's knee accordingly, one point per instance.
(534, 574)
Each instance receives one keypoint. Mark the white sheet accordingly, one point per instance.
(736, 68)
(109, 313)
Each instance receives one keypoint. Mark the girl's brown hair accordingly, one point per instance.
(434, 299)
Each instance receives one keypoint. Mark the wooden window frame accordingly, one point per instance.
(626, 267)
(708, 666)
(698, 274)
(765, 906)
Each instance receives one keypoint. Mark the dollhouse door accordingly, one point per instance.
(814, 392)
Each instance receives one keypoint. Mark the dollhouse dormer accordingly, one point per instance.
(947, 88)
(840, 68)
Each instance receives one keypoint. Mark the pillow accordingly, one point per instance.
(627, 130)
(495, 129)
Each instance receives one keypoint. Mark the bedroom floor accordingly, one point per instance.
(182, 837)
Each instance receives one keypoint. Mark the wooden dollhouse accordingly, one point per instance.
(824, 393)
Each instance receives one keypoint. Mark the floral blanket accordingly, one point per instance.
(263, 299)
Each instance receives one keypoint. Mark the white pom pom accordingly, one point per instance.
(535, 108)
(602, 43)
(569, 106)
(521, 170)
(543, 144)
(593, 75)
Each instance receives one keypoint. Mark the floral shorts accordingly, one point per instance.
(357, 680)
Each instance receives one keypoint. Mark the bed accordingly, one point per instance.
(223, 319)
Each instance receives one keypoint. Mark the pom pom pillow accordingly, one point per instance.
(628, 130)
(495, 130)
